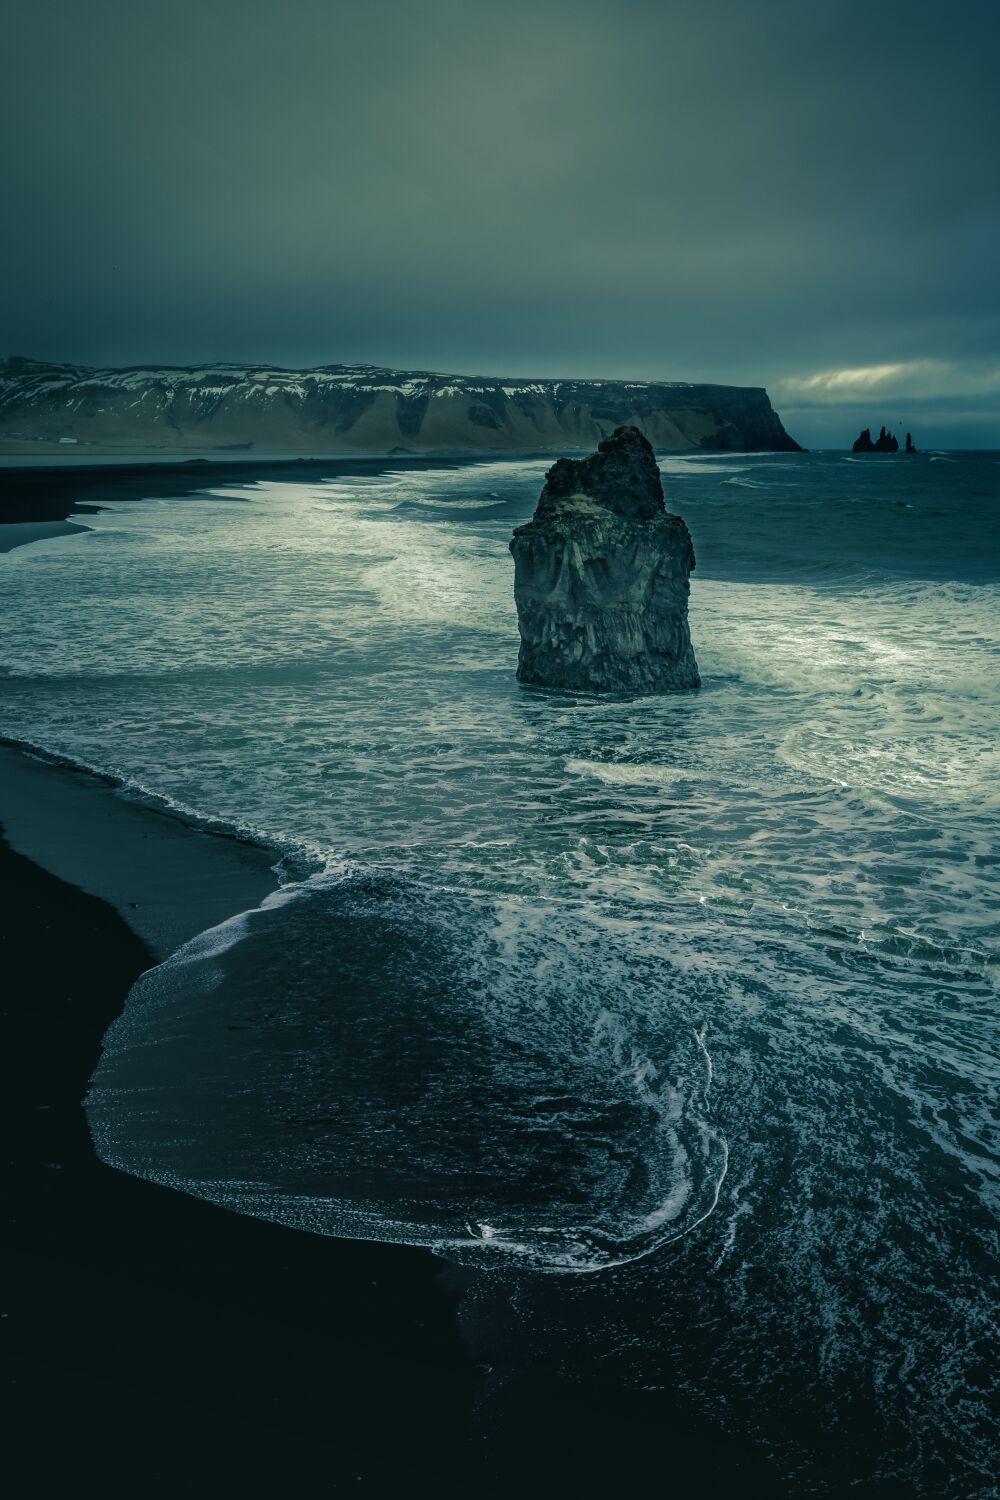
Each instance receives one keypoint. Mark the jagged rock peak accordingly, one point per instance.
(885, 443)
(622, 476)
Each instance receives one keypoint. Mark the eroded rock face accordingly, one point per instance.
(601, 577)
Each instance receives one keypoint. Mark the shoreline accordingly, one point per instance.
(155, 1333)
(167, 879)
(34, 493)
(166, 1337)
(51, 490)
(23, 533)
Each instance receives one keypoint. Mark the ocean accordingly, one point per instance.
(671, 1023)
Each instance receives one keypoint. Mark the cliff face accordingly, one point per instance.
(362, 409)
(601, 577)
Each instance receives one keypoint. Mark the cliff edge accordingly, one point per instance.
(355, 409)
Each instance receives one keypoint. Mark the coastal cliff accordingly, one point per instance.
(362, 409)
(601, 577)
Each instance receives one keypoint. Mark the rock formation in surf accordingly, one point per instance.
(909, 443)
(885, 443)
(601, 577)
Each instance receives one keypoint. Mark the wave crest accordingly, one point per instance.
(352, 1060)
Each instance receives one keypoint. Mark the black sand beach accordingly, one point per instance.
(155, 1341)
(150, 1340)
(34, 495)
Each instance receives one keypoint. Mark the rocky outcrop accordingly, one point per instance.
(601, 577)
(357, 409)
(885, 443)
(909, 443)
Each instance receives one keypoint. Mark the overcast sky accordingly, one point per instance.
(803, 194)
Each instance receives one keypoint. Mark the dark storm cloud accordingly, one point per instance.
(711, 190)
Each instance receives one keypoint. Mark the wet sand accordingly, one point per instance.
(23, 533)
(151, 1341)
(167, 880)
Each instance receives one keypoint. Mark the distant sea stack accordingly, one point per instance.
(601, 577)
(362, 409)
(885, 443)
(909, 443)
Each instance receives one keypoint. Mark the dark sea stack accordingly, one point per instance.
(601, 577)
(909, 443)
(885, 443)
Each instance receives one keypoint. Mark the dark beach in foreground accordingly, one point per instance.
(156, 1341)
(149, 1337)
(153, 1341)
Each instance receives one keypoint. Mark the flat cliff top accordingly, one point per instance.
(23, 372)
(362, 408)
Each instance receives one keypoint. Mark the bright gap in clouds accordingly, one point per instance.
(910, 379)
(831, 380)
(849, 383)
(946, 404)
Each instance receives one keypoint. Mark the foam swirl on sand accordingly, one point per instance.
(354, 1060)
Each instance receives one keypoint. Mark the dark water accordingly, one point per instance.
(673, 1021)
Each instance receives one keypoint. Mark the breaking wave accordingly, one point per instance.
(356, 1059)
